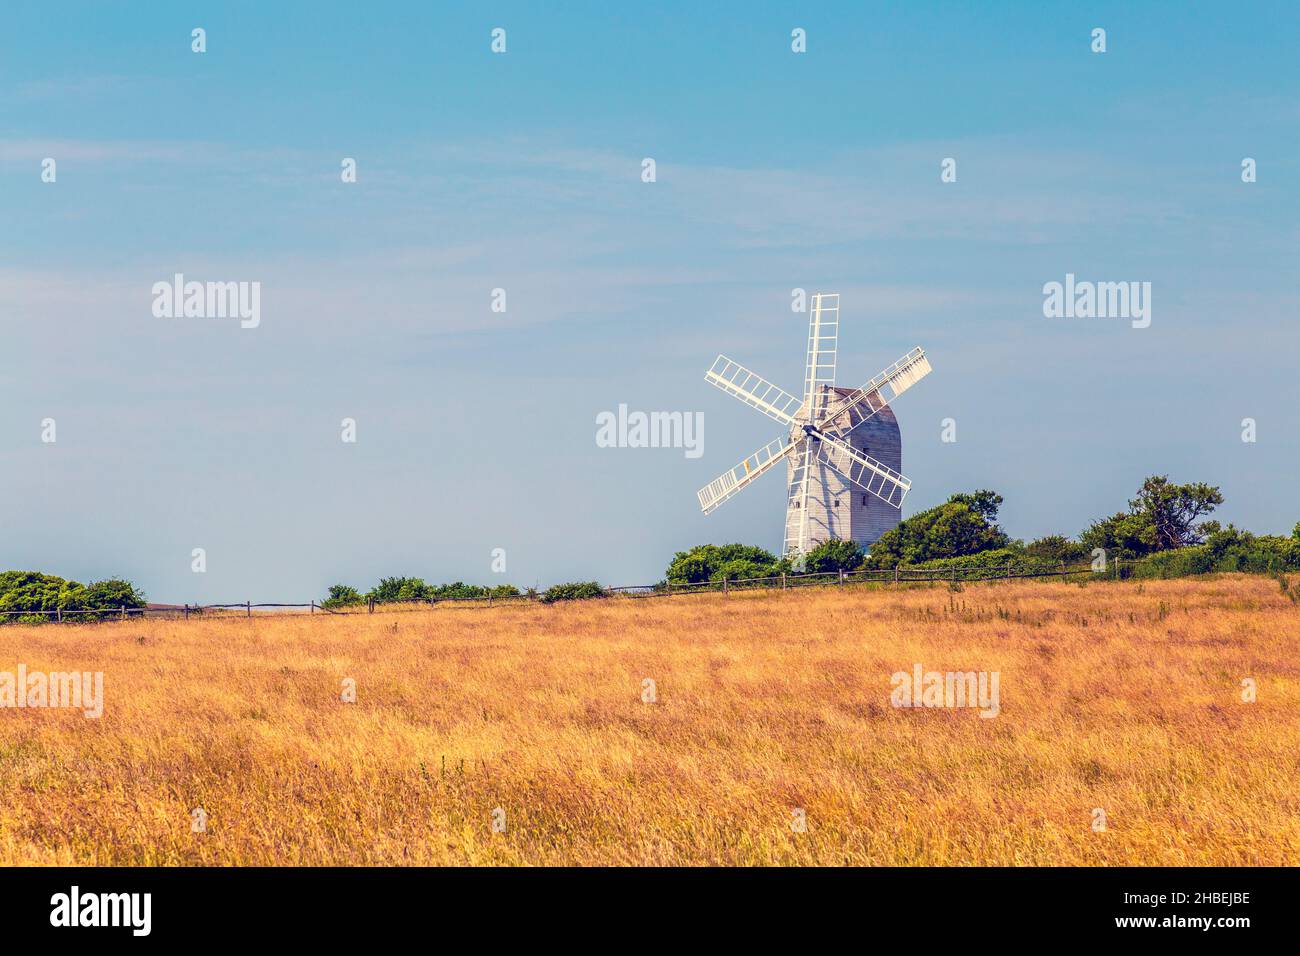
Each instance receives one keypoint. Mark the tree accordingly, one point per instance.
(833, 556)
(1162, 517)
(984, 503)
(1173, 510)
(963, 525)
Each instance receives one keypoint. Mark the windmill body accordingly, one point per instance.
(837, 508)
(842, 451)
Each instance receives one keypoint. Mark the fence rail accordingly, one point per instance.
(990, 572)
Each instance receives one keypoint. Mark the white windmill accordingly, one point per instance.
(826, 448)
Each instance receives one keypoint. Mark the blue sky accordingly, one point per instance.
(775, 170)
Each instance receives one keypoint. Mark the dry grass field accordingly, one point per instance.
(1117, 696)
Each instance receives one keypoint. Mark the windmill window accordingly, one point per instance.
(837, 502)
(864, 499)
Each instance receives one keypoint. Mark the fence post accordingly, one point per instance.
(724, 584)
(59, 612)
(313, 606)
(249, 606)
(783, 581)
(841, 575)
(370, 606)
(123, 610)
(895, 574)
(187, 610)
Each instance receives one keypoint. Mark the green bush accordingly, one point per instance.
(459, 591)
(739, 570)
(1018, 559)
(963, 525)
(573, 591)
(456, 591)
(342, 596)
(1058, 548)
(830, 557)
(34, 591)
(396, 590)
(390, 590)
(1225, 550)
(709, 562)
(1122, 535)
(112, 593)
(1179, 563)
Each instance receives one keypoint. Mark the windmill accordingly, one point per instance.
(836, 489)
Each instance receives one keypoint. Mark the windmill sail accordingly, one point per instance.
(864, 471)
(823, 345)
(752, 389)
(796, 510)
(877, 393)
(730, 483)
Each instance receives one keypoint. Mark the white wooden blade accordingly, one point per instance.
(877, 393)
(863, 470)
(731, 482)
(752, 389)
(823, 343)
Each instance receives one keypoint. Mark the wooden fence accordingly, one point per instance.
(73, 615)
(987, 572)
(990, 572)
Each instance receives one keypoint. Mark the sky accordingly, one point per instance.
(522, 171)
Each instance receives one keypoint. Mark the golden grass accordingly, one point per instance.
(1120, 696)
